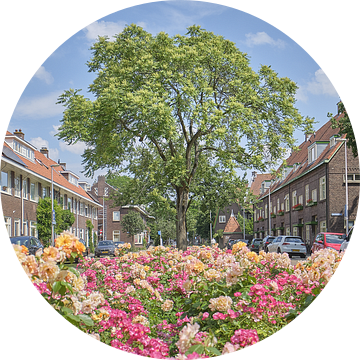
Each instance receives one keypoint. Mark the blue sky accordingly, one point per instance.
(38, 116)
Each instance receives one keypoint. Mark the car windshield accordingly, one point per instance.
(106, 243)
(257, 241)
(293, 240)
(334, 239)
(18, 240)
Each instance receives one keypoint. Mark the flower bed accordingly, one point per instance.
(166, 303)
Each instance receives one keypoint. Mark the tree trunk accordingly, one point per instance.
(182, 199)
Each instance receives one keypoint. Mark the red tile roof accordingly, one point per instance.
(42, 167)
(256, 184)
(232, 226)
(299, 159)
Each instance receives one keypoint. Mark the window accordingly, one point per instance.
(307, 193)
(116, 216)
(322, 226)
(287, 203)
(32, 192)
(282, 206)
(69, 204)
(322, 188)
(25, 228)
(138, 239)
(222, 219)
(86, 211)
(8, 224)
(81, 234)
(352, 178)
(278, 204)
(82, 209)
(5, 182)
(288, 231)
(25, 189)
(314, 195)
(106, 191)
(312, 154)
(301, 201)
(295, 231)
(45, 192)
(96, 191)
(17, 227)
(266, 211)
(17, 187)
(33, 231)
(116, 235)
(94, 210)
(294, 198)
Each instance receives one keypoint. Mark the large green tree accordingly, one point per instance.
(164, 109)
(64, 219)
(342, 121)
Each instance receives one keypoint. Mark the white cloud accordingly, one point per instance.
(55, 131)
(262, 38)
(44, 75)
(39, 142)
(102, 28)
(319, 85)
(38, 107)
(77, 148)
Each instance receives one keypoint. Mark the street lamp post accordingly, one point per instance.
(346, 215)
(52, 204)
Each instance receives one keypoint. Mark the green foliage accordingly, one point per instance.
(132, 223)
(249, 224)
(64, 219)
(90, 227)
(342, 121)
(173, 111)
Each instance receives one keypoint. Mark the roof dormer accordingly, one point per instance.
(315, 150)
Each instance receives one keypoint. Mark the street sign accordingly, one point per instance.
(159, 232)
(336, 214)
(53, 218)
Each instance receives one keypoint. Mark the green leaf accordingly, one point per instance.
(56, 287)
(213, 350)
(86, 320)
(195, 348)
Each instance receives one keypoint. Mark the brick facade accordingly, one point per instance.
(322, 178)
(111, 228)
(26, 177)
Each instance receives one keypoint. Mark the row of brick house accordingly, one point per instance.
(308, 195)
(26, 175)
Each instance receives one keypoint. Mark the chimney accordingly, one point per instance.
(308, 136)
(62, 164)
(19, 134)
(45, 151)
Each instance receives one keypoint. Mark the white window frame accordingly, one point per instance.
(323, 226)
(17, 186)
(288, 231)
(7, 220)
(32, 195)
(222, 219)
(307, 193)
(17, 229)
(301, 201)
(322, 188)
(294, 198)
(116, 215)
(25, 189)
(287, 202)
(116, 235)
(314, 195)
(295, 231)
(6, 188)
(33, 229)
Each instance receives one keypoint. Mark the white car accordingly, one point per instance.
(293, 245)
(345, 243)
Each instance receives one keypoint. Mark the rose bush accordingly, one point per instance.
(164, 303)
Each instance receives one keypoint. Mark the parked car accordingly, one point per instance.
(254, 244)
(118, 243)
(230, 243)
(105, 247)
(325, 240)
(346, 241)
(293, 245)
(32, 243)
(265, 242)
